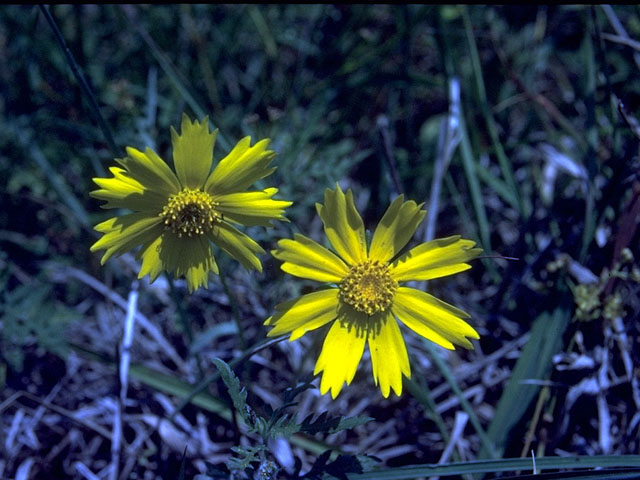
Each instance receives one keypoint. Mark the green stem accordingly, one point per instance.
(201, 387)
(234, 308)
(184, 321)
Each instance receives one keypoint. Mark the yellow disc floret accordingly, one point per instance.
(190, 212)
(368, 287)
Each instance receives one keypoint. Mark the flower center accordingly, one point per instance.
(190, 212)
(368, 287)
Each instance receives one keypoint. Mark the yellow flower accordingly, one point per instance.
(176, 216)
(367, 299)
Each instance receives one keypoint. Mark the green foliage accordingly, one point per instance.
(534, 364)
(238, 395)
(281, 424)
(315, 79)
(29, 317)
(325, 423)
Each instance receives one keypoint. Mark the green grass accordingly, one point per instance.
(81, 83)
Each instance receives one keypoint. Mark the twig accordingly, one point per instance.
(460, 422)
(83, 470)
(533, 461)
(125, 360)
(64, 272)
(24, 470)
(13, 430)
(629, 42)
(469, 369)
(631, 122)
(446, 373)
(448, 140)
(54, 408)
(542, 398)
(82, 81)
(620, 30)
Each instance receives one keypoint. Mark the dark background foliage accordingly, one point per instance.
(544, 170)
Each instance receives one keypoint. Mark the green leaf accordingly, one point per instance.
(347, 423)
(324, 423)
(506, 465)
(533, 364)
(238, 395)
(246, 456)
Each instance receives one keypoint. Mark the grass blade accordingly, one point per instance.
(468, 162)
(534, 363)
(506, 465)
(28, 144)
(174, 75)
(505, 164)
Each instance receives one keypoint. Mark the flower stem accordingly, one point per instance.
(234, 308)
(186, 326)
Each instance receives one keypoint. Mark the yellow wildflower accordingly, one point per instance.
(177, 215)
(367, 298)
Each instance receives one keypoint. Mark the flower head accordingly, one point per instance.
(366, 301)
(176, 216)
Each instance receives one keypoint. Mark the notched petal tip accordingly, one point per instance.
(193, 151)
(343, 225)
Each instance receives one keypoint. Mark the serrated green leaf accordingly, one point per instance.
(238, 395)
(245, 457)
(326, 424)
(347, 423)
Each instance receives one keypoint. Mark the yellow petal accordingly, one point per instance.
(303, 314)
(189, 257)
(240, 169)
(395, 229)
(343, 225)
(238, 245)
(389, 359)
(151, 263)
(252, 208)
(122, 191)
(432, 318)
(193, 151)
(126, 233)
(339, 358)
(305, 258)
(434, 259)
(120, 178)
(150, 170)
